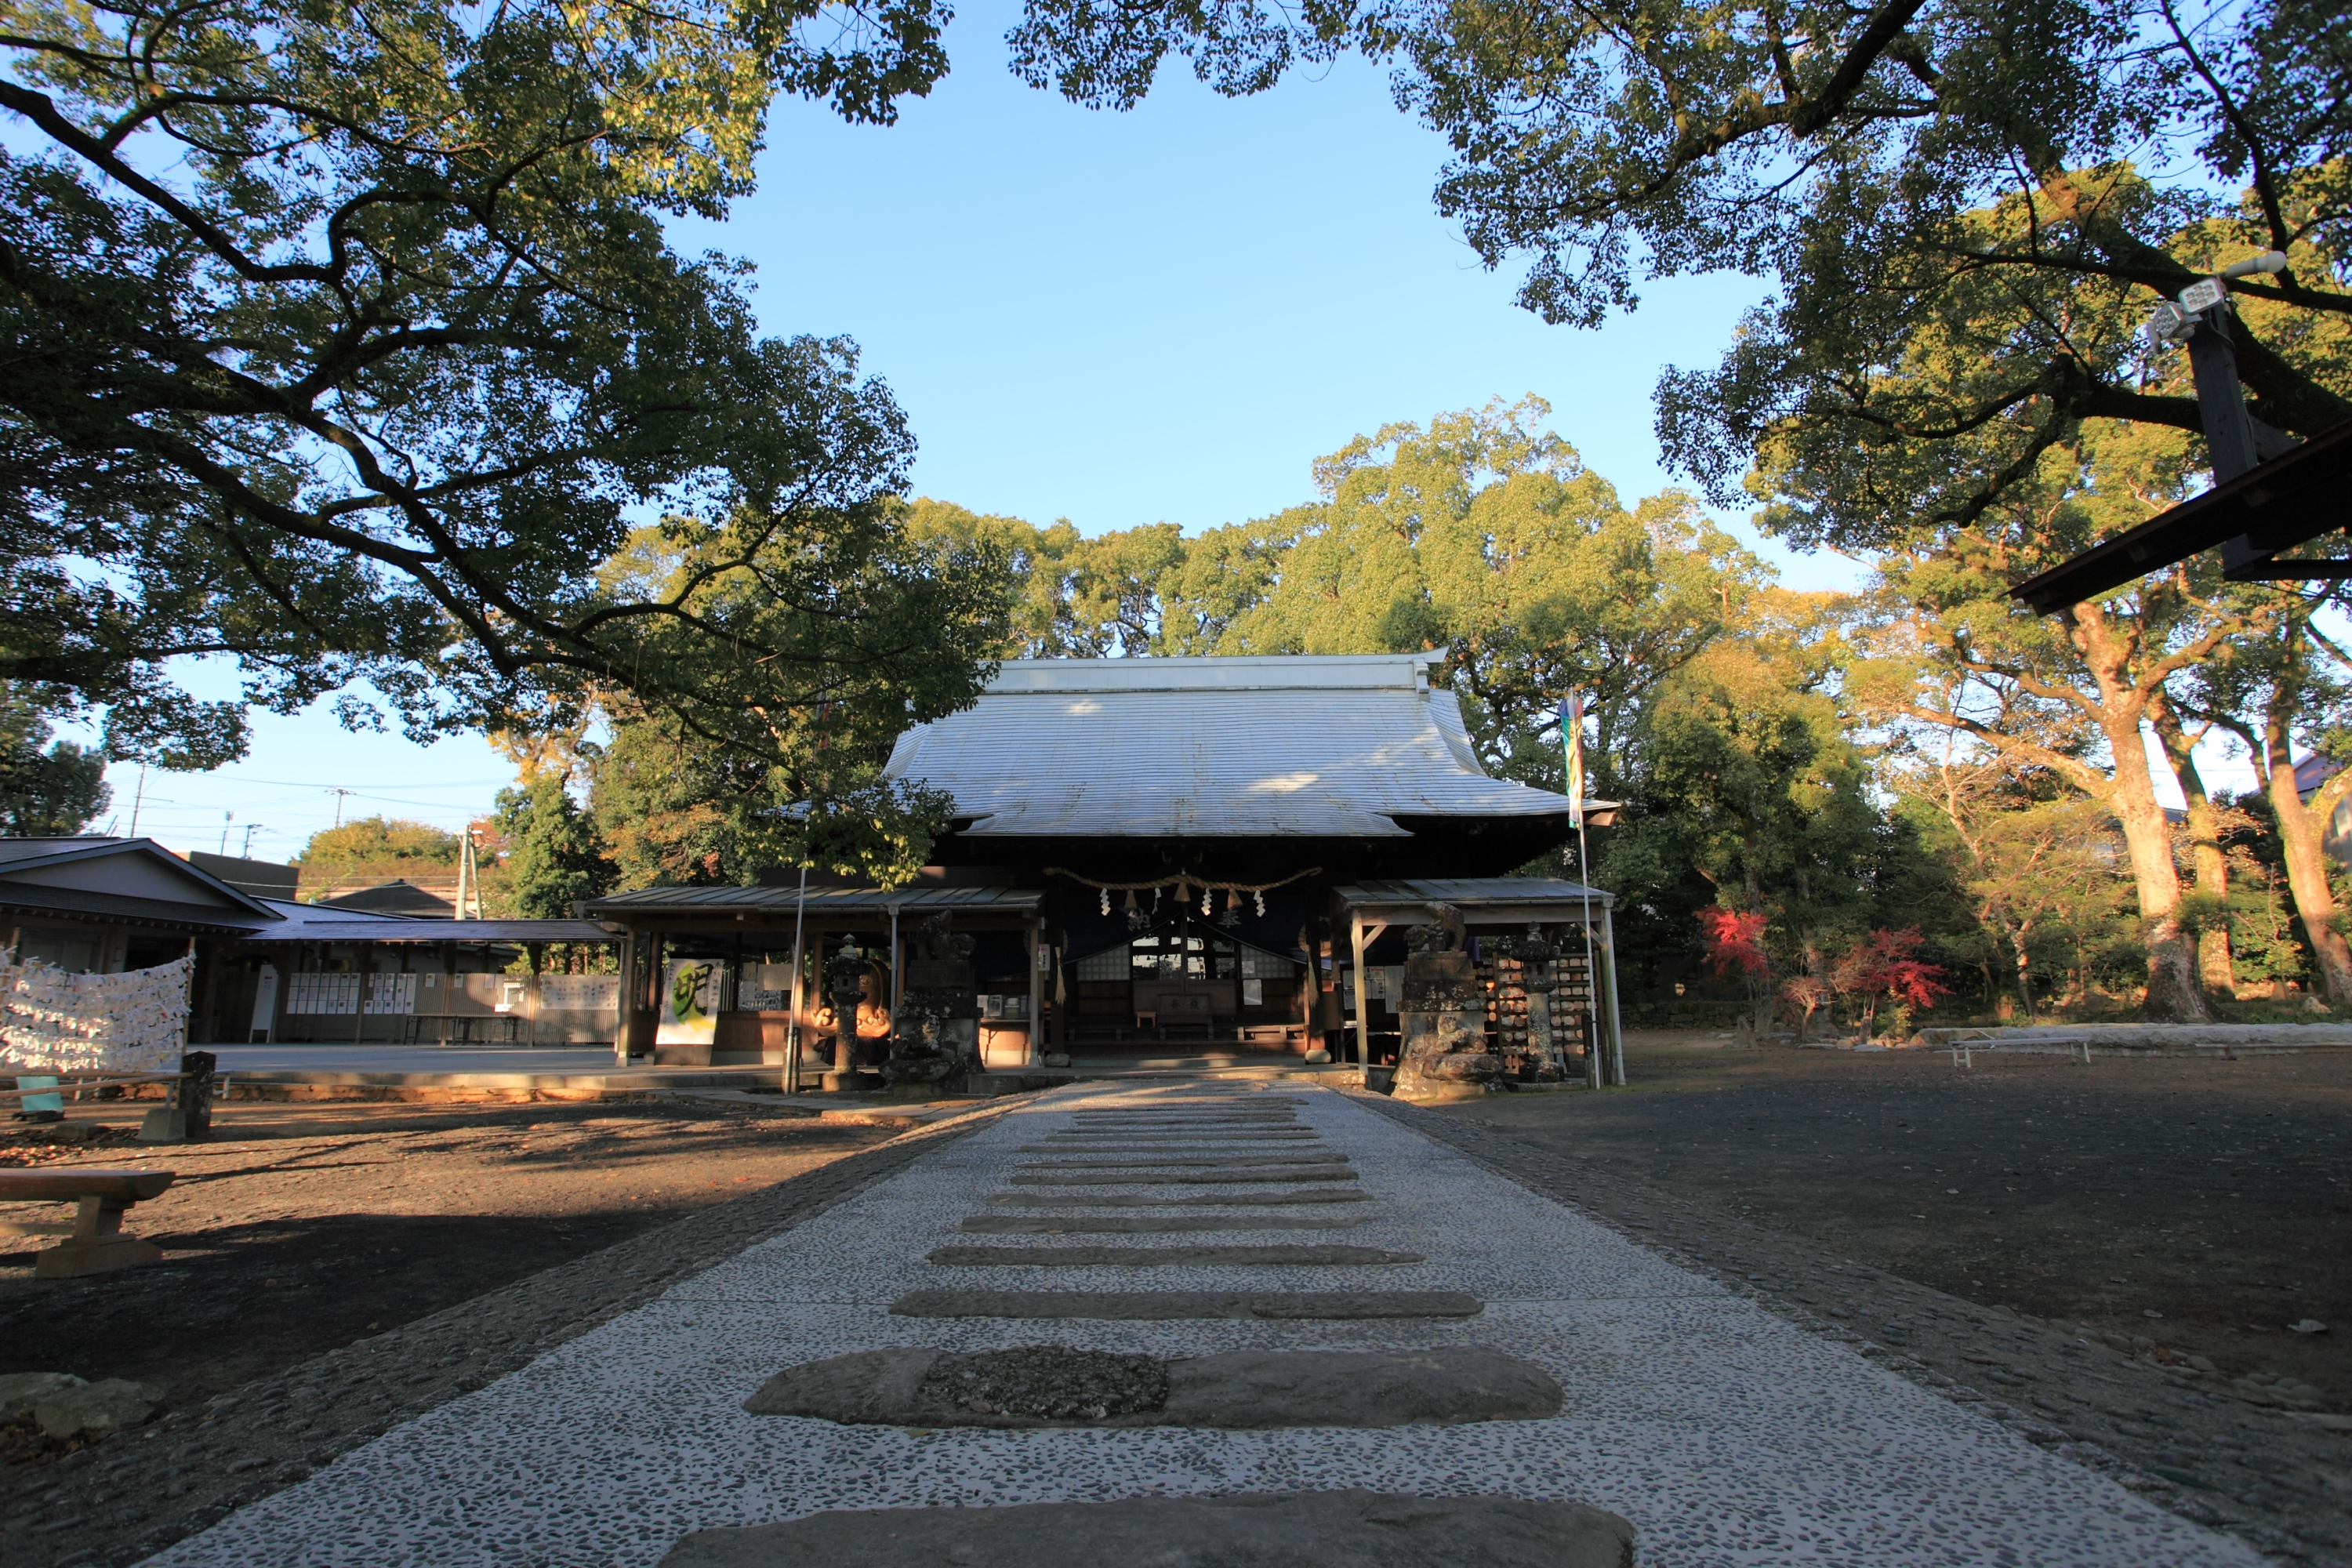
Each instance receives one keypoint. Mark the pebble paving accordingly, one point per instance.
(1727, 1435)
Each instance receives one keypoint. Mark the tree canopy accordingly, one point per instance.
(1966, 210)
(388, 844)
(554, 855)
(49, 788)
(347, 344)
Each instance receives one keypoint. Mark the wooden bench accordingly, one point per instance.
(94, 1241)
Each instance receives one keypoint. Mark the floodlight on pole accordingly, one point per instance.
(2270, 493)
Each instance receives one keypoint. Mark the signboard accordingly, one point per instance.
(692, 992)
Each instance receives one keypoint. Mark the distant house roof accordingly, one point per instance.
(262, 878)
(134, 881)
(1212, 748)
(300, 917)
(2313, 771)
(397, 896)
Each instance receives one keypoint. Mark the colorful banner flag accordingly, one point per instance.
(1572, 736)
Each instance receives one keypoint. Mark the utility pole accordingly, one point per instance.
(469, 875)
(227, 818)
(338, 793)
(136, 798)
(249, 828)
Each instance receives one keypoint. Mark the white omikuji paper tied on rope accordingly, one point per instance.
(51, 1021)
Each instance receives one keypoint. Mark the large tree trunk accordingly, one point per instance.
(2214, 964)
(2173, 993)
(2302, 835)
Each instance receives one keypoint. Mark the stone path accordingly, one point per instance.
(1726, 1434)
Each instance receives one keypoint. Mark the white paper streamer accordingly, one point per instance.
(51, 1021)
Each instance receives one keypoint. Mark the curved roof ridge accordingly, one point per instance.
(1336, 748)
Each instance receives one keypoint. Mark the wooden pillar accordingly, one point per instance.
(1596, 1038)
(623, 1013)
(897, 969)
(800, 993)
(1363, 990)
(1606, 986)
(1039, 957)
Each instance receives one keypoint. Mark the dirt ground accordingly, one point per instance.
(2201, 1202)
(302, 1227)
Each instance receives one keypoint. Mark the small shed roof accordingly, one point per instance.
(1485, 899)
(1212, 748)
(824, 902)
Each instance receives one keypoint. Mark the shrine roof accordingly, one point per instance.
(1212, 748)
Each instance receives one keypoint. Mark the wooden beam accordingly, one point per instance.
(1363, 1000)
(1038, 958)
(1607, 986)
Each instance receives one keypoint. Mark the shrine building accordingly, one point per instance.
(1206, 861)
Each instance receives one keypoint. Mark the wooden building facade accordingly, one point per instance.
(1151, 858)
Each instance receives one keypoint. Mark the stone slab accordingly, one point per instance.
(1305, 1254)
(1049, 1386)
(1252, 1139)
(1150, 1224)
(1292, 1529)
(1184, 1161)
(1169, 1146)
(1211, 1200)
(1194, 1178)
(1191, 1124)
(1148, 1305)
(20, 1391)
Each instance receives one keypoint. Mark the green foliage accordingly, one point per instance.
(1752, 791)
(1966, 209)
(673, 810)
(1481, 537)
(49, 788)
(346, 339)
(391, 845)
(554, 856)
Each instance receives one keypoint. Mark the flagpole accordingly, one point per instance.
(1572, 736)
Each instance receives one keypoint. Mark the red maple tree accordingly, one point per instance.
(1735, 945)
(1881, 968)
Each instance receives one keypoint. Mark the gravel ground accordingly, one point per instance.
(2182, 1437)
(301, 1227)
(2206, 1205)
(137, 1492)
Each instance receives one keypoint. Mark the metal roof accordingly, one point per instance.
(1211, 748)
(824, 903)
(395, 929)
(1483, 894)
(122, 878)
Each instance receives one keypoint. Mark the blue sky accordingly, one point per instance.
(1160, 316)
